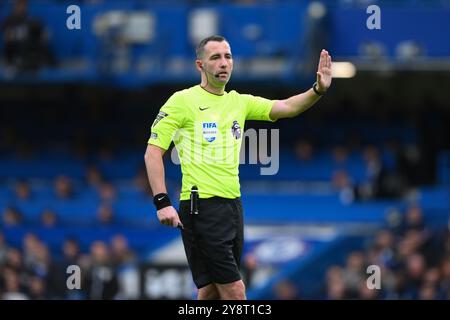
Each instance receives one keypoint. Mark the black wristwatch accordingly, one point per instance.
(317, 91)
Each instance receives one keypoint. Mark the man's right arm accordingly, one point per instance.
(155, 172)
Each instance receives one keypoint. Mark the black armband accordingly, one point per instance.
(161, 200)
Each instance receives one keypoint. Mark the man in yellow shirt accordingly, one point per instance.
(206, 124)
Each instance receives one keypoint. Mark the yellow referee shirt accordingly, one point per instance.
(207, 130)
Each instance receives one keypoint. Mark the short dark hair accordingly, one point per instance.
(200, 50)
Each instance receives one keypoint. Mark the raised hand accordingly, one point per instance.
(324, 71)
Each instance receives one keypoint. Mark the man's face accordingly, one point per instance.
(218, 62)
(20, 7)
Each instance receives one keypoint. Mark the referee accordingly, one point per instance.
(205, 122)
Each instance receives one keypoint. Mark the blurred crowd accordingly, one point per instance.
(63, 189)
(108, 270)
(407, 259)
(414, 262)
(389, 171)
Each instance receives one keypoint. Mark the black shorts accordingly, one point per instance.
(213, 239)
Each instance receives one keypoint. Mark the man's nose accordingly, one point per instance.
(223, 63)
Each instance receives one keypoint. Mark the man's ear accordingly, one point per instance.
(199, 64)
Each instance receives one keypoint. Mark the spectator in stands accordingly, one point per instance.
(432, 276)
(365, 293)
(107, 192)
(354, 273)
(342, 183)
(415, 271)
(120, 251)
(340, 156)
(14, 262)
(102, 280)
(255, 272)
(414, 219)
(63, 188)
(11, 217)
(382, 254)
(71, 252)
(22, 190)
(25, 41)
(71, 256)
(37, 288)
(394, 219)
(414, 229)
(38, 263)
(15, 28)
(432, 279)
(384, 249)
(141, 182)
(334, 284)
(413, 164)
(125, 264)
(286, 290)
(428, 292)
(93, 176)
(13, 288)
(3, 249)
(49, 218)
(30, 248)
(336, 290)
(384, 183)
(249, 268)
(304, 150)
(445, 277)
(374, 167)
(105, 215)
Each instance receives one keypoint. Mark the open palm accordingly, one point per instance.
(324, 71)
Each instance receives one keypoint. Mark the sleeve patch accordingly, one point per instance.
(161, 115)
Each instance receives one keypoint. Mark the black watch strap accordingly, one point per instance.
(317, 91)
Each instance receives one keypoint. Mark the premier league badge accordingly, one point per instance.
(236, 130)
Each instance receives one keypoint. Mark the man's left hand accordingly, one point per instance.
(324, 72)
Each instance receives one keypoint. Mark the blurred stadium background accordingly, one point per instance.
(364, 176)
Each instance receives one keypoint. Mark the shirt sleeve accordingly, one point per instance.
(258, 108)
(169, 119)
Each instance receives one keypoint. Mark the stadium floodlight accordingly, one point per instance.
(343, 70)
(202, 24)
(408, 50)
(133, 27)
(140, 27)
